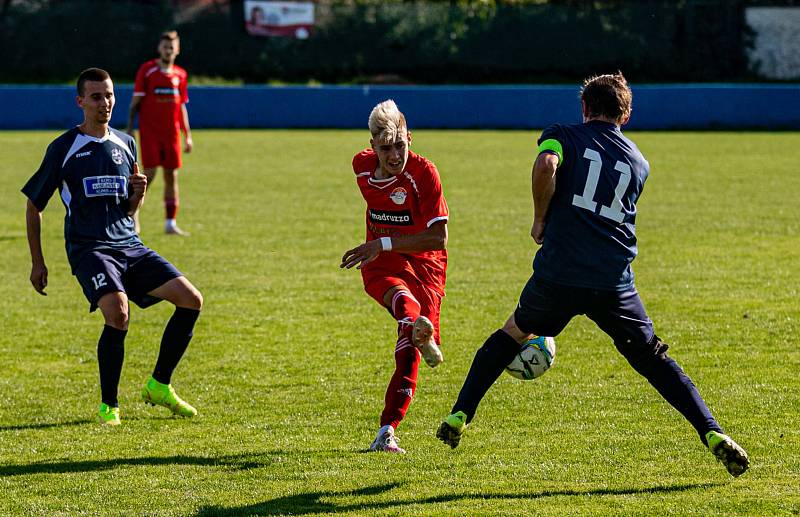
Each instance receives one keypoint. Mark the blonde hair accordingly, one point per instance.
(387, 122)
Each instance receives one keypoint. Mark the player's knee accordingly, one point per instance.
(117, 318)
(194, 299)
(646, 356)
(512, 330)
(170, 175)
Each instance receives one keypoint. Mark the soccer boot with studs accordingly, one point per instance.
(453, 427)
(728, 452)
(158, 394)
(173, 229)
(422, 338)
(386, 441)
(108, 415)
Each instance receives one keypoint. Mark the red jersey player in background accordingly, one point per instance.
(403, 260)
(160, 97)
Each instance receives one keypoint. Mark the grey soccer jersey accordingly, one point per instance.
(91, 175)
(590, 232)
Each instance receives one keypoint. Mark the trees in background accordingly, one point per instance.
(432, 42)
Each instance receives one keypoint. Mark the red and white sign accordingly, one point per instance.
(271, 18)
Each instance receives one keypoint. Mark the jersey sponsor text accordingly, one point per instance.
(398, 218)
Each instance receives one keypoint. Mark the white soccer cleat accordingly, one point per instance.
(172, 229)
(422, 338)
(386, 441)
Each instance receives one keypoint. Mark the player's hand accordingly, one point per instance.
(537, 231)
(189, 144)
(361, 255)
(138, 181)
(39, 278)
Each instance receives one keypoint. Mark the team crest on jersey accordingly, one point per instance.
(116, 156)
(398, 196)
(175, 81)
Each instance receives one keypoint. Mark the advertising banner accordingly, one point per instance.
(273, 18)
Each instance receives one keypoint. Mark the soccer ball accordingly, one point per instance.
(535, 358)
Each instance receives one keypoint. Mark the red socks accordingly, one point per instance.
(171, 205)
(401, 387)
(405, 309)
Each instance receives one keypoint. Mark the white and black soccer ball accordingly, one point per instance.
(534, 358)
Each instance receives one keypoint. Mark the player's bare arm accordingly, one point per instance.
(136, 102)
(543, 185)
(138, 189)
(432, 239)
(187, 132)
(33, 222)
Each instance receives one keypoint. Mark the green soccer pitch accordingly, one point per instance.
(290, 358)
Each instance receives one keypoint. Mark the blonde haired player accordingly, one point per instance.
(403, 259)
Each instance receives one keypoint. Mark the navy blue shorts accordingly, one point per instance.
(133, 271)
(545, 308)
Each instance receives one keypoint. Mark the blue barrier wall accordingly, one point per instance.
(691, 106)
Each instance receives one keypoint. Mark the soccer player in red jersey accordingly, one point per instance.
(160, 97)
(403, 260)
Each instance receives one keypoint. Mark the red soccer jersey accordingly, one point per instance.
(164, 93)
(403, 205)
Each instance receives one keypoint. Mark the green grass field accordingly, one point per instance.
(290, 358)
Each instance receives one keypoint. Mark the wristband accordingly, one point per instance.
(386, 243)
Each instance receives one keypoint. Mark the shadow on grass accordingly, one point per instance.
(312, 502)
(230, 462)
(44, 425)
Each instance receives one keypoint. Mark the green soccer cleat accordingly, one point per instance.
(728, 452)
(157, 394)
(108, 415)
(452, 428)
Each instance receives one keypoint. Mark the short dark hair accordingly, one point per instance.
(607, 96)
(91, 74)
(169, 36)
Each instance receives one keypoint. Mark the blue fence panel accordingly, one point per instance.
(706, 106)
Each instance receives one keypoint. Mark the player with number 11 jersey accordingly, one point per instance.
(598, 163)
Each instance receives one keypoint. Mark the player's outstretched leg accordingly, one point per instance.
(489, 362)
(728, 452)
(158, 394)
(422, 338)
(386, 441)
(108, 415)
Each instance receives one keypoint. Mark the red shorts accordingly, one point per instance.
(160, 150)
(376, 284)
